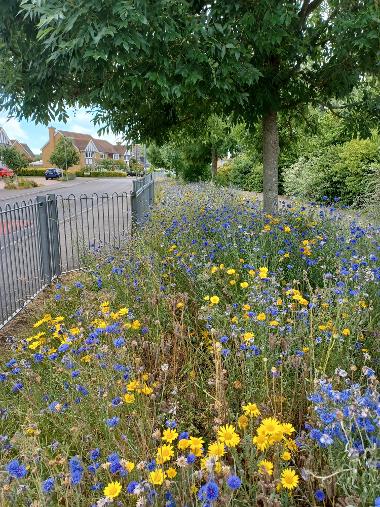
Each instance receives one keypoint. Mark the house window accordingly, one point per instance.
(88, 156)
(102, 155)
(116, 156)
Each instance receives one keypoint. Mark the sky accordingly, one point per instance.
(36, 135)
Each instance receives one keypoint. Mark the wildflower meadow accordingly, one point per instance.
(222, 357)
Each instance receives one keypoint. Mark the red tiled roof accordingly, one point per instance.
(104, 146)
(120, 148)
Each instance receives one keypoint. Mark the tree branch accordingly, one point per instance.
(307, 8)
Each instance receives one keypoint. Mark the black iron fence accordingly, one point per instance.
(50, 235)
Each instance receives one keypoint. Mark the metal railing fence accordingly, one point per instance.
(52, 234)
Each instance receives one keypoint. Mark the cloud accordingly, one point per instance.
(13, 129)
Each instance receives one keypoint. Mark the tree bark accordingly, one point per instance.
(214, 163)
(271, 151)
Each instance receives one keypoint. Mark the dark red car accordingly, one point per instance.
(5, 172)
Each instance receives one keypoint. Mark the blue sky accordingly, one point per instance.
(36, 135)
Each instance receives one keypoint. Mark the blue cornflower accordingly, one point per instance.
(184, 435)
(94, 454)
(151, 466)
(209, 491)
(233, 482)
(48, 485)
(377, 502)
(190, 458)
(113, 421)
(76, 470)
(119, 342)
(319, 495)
(17, 387)
(132, 486)
(16, 469)
(170, 424)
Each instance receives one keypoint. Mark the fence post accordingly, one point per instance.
(43, 221)
(55, 247)
(134, 207)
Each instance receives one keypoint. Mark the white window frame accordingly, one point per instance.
(116, 156)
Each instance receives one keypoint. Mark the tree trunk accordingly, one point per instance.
(214, 162)
(271, 151)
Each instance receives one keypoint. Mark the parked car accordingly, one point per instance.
(5, 172)
(53, 173)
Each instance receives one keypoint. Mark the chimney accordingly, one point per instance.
(52, 136)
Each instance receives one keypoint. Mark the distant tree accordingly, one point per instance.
(154, 155)
(65, 154)
(13, 159)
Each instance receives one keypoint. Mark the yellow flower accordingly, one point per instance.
(289, 479)
(261, 316)
(248, 336)
(286, 455)
(288, 428)
(196, 444)
(263, 273)
(231, 271)
(266, 228)
(291, 445)
(129, 398)
(171, 472)
(244, 285)
(274, 323)
(129, 465)
(34, 345)
(269, 425)
(157, 477)
(180, 305)
(279, 302)
(246, 308)
(136, 325)
(251, 409)
(261, 441)
(265, 466)
(287, 228)
(147, 390)
(228, 435)
(346, 332)
(214, 269)
(112, 490)
(164, 453)
(169, 435)
(216, 450)
(183, 444)
(243, 422)
(133, 385)
(214, 300)
(251, 272)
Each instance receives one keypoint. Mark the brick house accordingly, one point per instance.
(5, 142)
(23, 148)
(90, 149)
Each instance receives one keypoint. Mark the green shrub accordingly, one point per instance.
(26, 183)
(108, 164)
(241, 172)
(101, 174)
(32, 171)
(341, 171)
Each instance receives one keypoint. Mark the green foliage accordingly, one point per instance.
(13, 159)
(65, 154)
(108, 164)
(241, 172)
(101, 174)
(339, 171)
(154, 156)
(135, 168)
(32, 171)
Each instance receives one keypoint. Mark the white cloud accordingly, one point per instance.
(35, 150)
(13, 129)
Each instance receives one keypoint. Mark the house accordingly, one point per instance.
(90, 148)
(23, 149)
(5, 142)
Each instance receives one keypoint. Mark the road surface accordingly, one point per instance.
(91, 213)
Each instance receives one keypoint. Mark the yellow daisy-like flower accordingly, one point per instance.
(133, 385)
(243, 422)
(183, 444)
(228, 435)
(288, 428)
(248, 336)
(286, 456)
(289, 479)
(287, 228)
(214, 300)
(263, 273)
(147, 390)
(291, 445)
(251, 409)
(112, 490)
(196, 444)
(129, 465)
(216, 450)
(274, 323)
(157, 477)
(244, 285)
(261, 441)
(265, 466)
(231, 271)
(164, 453)
(346, 332)
(169, 435)
(129, 398)
(171, 473)
(270, 425)
(261, 316)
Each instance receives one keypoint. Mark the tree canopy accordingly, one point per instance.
(13, 159)
(146, 66)
(65, 154)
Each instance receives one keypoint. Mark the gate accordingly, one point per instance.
(52, 234)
